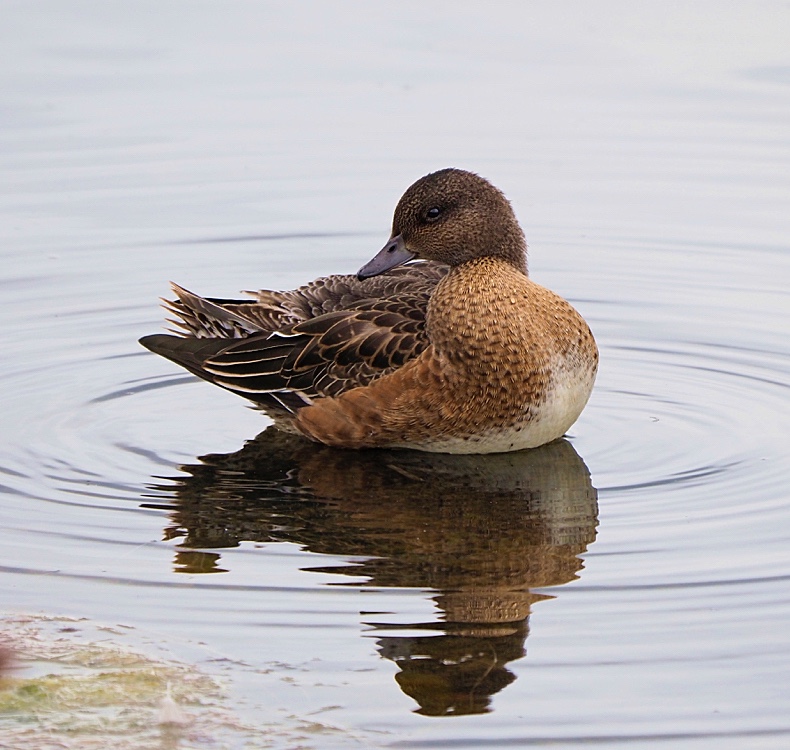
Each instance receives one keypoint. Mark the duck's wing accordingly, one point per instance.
(323, 356)
(270, 311)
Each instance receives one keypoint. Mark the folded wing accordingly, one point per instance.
(284, 349)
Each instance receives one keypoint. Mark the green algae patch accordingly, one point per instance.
(71, 684)
(61, 689)
(142, 686)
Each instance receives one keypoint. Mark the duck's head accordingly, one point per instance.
(451, 216)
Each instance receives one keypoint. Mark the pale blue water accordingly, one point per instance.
(506, 602)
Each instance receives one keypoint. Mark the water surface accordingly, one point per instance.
(628, 585)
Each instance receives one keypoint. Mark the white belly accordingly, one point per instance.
(550, 420)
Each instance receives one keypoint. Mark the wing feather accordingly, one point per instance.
(284, 349)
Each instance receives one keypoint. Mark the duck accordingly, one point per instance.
(441, 343)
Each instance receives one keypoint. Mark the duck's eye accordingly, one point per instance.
(433, 213)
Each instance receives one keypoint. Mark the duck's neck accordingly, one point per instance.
(519, 261)
(511, 246)
(515, 259)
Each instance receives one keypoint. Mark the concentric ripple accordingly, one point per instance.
(444, 562)
(627, 587)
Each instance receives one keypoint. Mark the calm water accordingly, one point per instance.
(628, 586)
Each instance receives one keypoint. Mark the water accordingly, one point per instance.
(627, 587)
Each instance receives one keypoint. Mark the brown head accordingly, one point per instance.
(451, 216)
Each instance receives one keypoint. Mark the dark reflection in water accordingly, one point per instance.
(481, 531)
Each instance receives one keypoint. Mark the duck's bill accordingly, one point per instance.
(392, 254)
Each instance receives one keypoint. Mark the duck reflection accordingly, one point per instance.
(482, 531)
